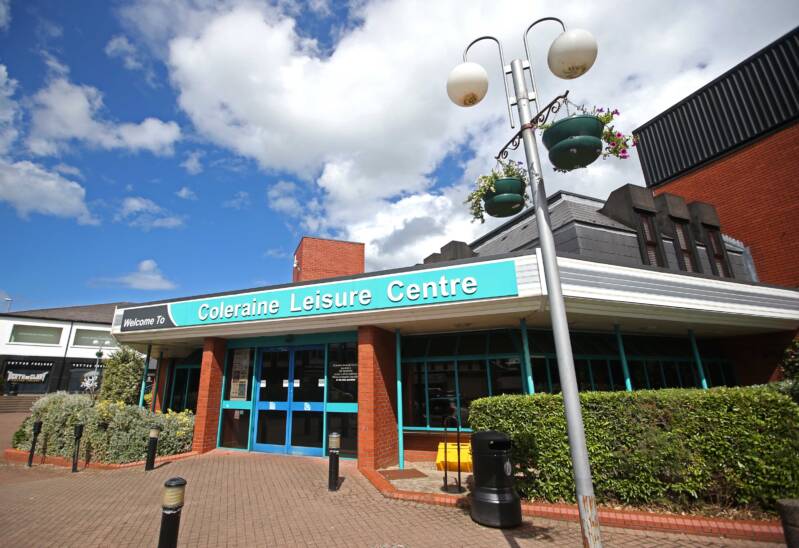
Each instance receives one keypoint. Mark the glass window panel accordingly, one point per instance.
(583, 376)
(193, 389)
(655, 377)
(599, 372)
(554, 375)
(235, 428)
(178, 402)
(638, 374)
(271, 427)
(473, 384)
(541, 342)
(647, 346)
(443, 345)
(472, 343)
(617, 375)
(503, 342)
(345, 424)
(414, 406)
(670, 371)
(274, 376)
(414, 347)
(35, 334)
(540, 379)
(441, 386)
(93, 337)
(506, 376)
(594, 344)
(306, 429)
(239, 374)
(309, 375)
(342, 372)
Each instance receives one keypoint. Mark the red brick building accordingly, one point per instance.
(735, 144)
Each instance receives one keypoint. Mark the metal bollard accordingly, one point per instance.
(37, 428)
(171, 505)
(78, 436)
(334, 445)
(152, 447)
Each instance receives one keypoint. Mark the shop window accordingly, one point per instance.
(309, 375)
(638, 374)
(503, 342)
(345, 424)
(443, 345)
(683, 245)
(672, 374)
(472, 344)
(472, 384)
(342, 373)
(414, 347)
(271, 427)
(25, 380)
(650, 240)
(716, 253)
(93, 337)
(581, 368)
(35, 334)
(306, 429)
(235, 428)
(718, 373)
(618, 382)
(600, 375)
(541, 375)
(238, 375)
(506, 376)
(414, 408)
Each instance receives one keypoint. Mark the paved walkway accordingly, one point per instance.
(251, 499)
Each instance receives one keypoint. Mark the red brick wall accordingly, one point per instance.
(317, 258)
(756, 193)
(756, 357)
(377, 390)
(209, 396)
(423, 446)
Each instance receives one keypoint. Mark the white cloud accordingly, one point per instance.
(373, 117)
(145, 214)
(147, 276)
(192, 163)
(63, 111)
(5, 14)
(119, 47)
(276, 253)
(30, 188)
(9, 111)
(186, 193)
(240, 200)
(68, 170)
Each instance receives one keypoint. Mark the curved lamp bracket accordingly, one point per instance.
(527, 49)
(502, 70)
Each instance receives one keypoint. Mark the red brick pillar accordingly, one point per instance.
(163, 374)
(377, 390)
(209, 397)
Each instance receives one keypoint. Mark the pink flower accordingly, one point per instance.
(600, 110)
(619, 135)
(615, 112)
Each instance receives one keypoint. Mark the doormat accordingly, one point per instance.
(408, 473)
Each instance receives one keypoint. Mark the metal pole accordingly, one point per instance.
(76, 451)
(628, 385)
(700, 369)
(586, 502)
(400, 433)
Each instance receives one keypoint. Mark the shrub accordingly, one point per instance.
(724, 446)
(790, 370)
(113, 431)
(122, 376)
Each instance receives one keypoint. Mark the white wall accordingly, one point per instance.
(50, 350)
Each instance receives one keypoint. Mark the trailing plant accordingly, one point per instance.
(114, 432)
(730, 447)
(485, 186)
(614, 142)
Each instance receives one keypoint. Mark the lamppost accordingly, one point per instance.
(91, 379)
(571, 55)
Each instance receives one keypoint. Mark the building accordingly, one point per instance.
(735, 143)
(50, 349)
(656, 294)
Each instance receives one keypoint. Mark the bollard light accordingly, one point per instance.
(78, 431)
(333, 444)
(155, 431)
(171, 506)
(334, 441)
(174, 494)
(152, 447)
(78, 436)
(37, 429)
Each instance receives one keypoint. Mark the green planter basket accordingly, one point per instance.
(574, 142)
(507, 200)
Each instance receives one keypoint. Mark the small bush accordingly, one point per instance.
(731, 447)
(113, 431)
(122, 376)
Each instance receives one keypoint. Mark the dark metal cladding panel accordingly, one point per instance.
(754, 98)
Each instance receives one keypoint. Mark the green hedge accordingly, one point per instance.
(114, 432)
(724, 446)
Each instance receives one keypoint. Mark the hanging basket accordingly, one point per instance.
(507, 199)
(574, 142)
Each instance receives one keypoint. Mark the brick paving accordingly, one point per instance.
(252, 499)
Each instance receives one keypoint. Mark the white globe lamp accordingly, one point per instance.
(467, 84)
(572, 53)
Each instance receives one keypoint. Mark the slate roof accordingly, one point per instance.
(93, 313)
(564, 208)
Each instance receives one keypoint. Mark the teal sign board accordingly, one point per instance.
(421, 287)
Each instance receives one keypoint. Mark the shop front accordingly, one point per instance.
(387, 358)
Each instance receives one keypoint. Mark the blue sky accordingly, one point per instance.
(157, 148)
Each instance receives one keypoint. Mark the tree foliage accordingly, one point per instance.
(122, 376)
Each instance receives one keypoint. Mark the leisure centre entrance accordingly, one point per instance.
(290, 401)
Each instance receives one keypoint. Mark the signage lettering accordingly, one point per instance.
(26, 377)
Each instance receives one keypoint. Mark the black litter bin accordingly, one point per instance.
(494, 500)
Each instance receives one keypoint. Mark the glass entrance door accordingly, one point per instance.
(290, 403)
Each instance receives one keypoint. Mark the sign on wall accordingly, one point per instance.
(239, 374)
(416, 288)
